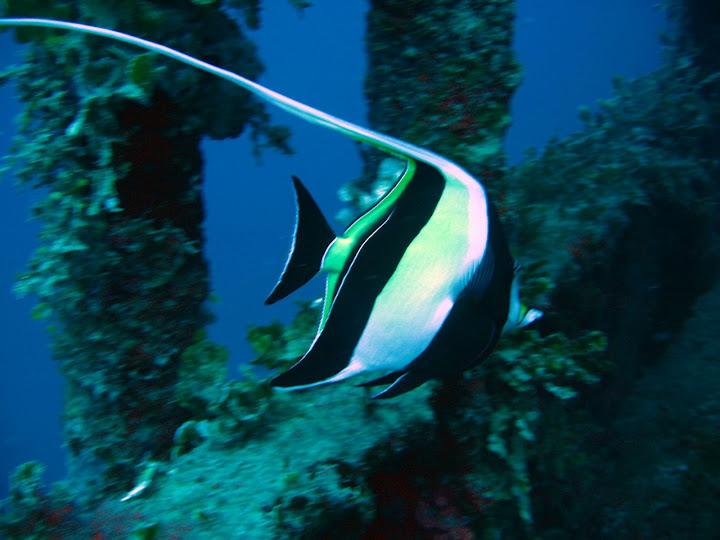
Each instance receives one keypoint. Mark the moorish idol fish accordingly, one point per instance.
(419, 287)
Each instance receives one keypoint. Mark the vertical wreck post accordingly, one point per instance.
(441, 75)
(698, 31)
(113, 135)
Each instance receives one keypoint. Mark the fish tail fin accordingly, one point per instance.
(311, 238)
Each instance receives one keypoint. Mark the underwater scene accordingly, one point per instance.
(360, 269)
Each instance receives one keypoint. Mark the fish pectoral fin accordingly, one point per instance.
(476, 281)
(311, 238)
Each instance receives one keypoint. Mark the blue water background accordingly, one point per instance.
(569, 51)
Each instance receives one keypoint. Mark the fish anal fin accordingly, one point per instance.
(317, 366)
(311, 238)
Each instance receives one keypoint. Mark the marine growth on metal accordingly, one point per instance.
(420, 286)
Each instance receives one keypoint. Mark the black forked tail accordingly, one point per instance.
(311, 238)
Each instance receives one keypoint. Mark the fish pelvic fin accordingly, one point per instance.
(311, 238)
(404, 383)
(385, 379)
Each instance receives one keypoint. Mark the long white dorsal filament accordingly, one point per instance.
(310, 114)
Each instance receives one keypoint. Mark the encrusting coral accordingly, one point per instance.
(526, 445)
(113, 135)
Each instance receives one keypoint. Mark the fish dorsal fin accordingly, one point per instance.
(387, 143)
(311, 238)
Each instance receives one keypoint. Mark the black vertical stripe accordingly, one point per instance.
(373, 266)
(362, 239)
(472, 328)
